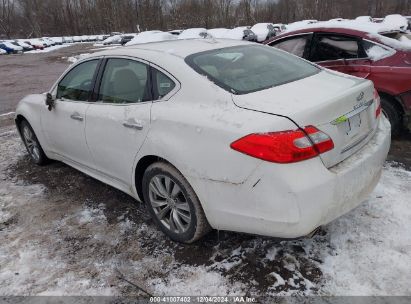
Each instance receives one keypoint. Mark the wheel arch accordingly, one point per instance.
(395, 101)
(19, 118)
(141, 167)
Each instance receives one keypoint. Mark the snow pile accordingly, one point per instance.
(377, 53)
(48, 49)
(261, 30)
(364, 19)
(151, 36)
(193, 33)
(116, 39)
(402, 44)
(397, 22)
(236, 33)
(372, 244)
(357, 25)
(218, 32)
(299, 25)
(76, 58)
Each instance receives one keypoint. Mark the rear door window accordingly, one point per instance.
(294, 45)
(335, 47)
(125, 81)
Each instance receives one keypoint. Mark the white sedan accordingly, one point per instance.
(216, 134)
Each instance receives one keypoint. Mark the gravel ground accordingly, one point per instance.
(64, 233)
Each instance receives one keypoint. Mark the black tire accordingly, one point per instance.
(33, 146)
(198, 225)
(393, 114)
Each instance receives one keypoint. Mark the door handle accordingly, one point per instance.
(77, 116)
(133, 125)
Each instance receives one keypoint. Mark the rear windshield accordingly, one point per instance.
(251, 68)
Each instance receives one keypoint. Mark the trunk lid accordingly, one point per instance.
(340, 105)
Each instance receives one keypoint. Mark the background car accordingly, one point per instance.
(151, 36)
(48, 42)
(57, 40)
(264, 31)
(279, 28)
(397, 21)
(68, 39)
(385, 61)
(218, 32)
(193, 33)
(36, 43)
(11, 48)
(175, 32)
(2, 52)
(116, 39)
(364, 19)
(241, 33)
(76, 39)
(26, 47)
(126, 38)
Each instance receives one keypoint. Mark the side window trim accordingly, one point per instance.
(93, 81)
(100, 75)
(314, 42)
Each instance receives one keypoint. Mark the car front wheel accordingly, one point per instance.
(32, 144)
(173, 204)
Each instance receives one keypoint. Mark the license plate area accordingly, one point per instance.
(352, 125)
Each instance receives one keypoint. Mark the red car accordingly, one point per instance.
(383, 59)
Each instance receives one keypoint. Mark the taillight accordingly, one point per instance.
(377, 101)
(286, 146)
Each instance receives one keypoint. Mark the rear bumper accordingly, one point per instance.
(290, 201)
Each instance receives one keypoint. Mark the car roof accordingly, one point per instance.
(178, 48)
(338, 30)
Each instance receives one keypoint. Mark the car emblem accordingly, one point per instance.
(360, 97)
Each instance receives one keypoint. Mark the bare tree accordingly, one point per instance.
(77, 17)
(6, 16)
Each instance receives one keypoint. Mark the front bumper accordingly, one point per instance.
(290, 201)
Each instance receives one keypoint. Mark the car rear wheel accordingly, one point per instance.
(32, 144)
(172, 203)
(393, 114)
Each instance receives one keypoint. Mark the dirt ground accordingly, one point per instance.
(33, 73)
(66, 233)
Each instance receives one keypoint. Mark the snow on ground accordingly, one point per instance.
(48, 49)
(372, 245)
(63, 233)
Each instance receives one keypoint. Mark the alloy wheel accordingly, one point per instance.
(169, 203)
(31, 143)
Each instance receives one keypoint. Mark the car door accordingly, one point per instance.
(64, 125)
(298, 45)
(340, 53)
(118, 123)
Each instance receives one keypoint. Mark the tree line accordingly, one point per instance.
(37, 18)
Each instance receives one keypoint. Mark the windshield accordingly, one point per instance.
(251, 68)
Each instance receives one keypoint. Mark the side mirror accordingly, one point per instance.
(50, 101)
